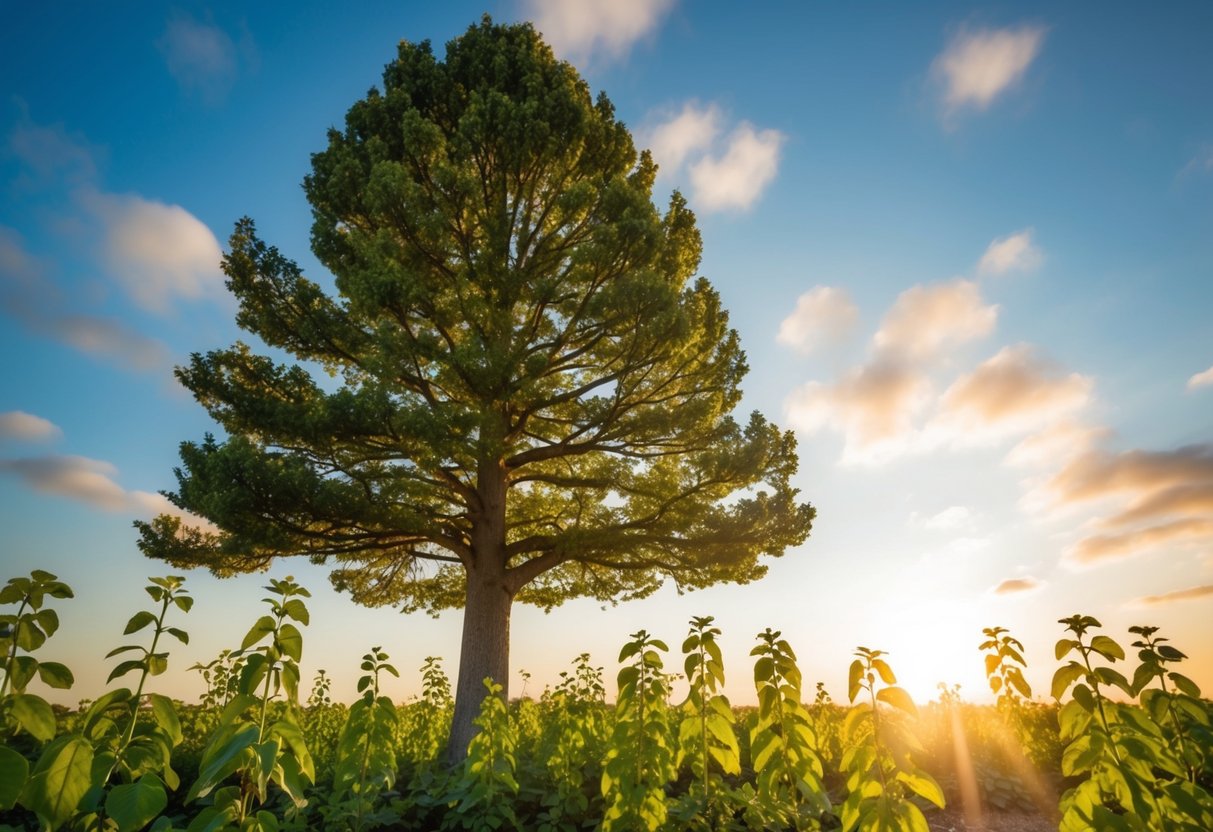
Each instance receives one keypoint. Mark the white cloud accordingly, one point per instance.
(1202, 379)
(735, 179)
(926, 319)
(26, 427)
(691, 131)
(1015, 252)
(950, 519)
(157, 252)
(91, 481)
(823, 315)
(976, 67)
(581, 29)
(201, 56)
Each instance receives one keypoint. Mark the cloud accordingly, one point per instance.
(26, 427)
(1055, 444)
(91, 481)
(1189, 594)
(201, 56)
(1201, 163)
(1013, 586)
(582, 29)
(1202, 379)
(1015, 252)
(873, 406)
(823, 315)
(950, 519)
(691, 131)
(50, 154)
(926, 319)
(29, 296)
(1013, 392)
(977, 66)
(736, 178)
(1151, 500)
(157, 252)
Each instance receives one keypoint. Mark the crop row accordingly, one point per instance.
(253, 756)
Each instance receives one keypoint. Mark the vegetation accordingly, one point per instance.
(534, 389)
(260, 760)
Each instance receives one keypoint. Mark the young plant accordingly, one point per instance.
(21, 633)
(706, 734)
(787, 792)
(426, 722)
(366, 756)
(881, 773)
(1004, 668)
(572, 742)
(322, 683)
(247, 743)
(481, 798)
(222, 677)
(640, 760)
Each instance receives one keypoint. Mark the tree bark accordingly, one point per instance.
(485, 652)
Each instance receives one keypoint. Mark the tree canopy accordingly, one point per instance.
(531, 390)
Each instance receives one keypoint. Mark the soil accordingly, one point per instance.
(954, 821)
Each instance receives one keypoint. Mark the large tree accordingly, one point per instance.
(532, 393)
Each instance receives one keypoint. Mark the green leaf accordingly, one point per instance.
(1185, 684)
(166, 717)
(60, 780)
(923, 785)
(853, 680)
(134, 805)
(34, 715)
(263, 627)
(1108, 648)
(218, 763)
(124, 668)
(296, 609)
(1064, 677)
(13, 770)
(290, 642)
(138, 621)
(898, 698)
(886, 672)
(55, 675)
(1063, 647)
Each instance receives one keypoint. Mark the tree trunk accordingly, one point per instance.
(485, 652)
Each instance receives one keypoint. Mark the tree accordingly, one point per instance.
(532, 394)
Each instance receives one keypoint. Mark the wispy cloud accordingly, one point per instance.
(978, 66)
(823, 315)
(1149, 500)
(949, 519)
(724, 171)
(1015, 252)
(156, 252)
(92, 482)
(200, 56)
(1014, 586)
(30, 296)
(50, 155)
(1190, 594)
(1201, 379)
(1201, 163)
(585, 30)
(26, 427)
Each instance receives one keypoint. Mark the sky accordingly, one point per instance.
(968, 249)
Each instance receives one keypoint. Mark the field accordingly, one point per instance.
(261, 752)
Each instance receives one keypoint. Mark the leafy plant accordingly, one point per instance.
(481, 797)
(1004, 667)
(21, 633)
(366, 758)
(788, 790)
(881, 772)
(1134, 780)
(247, 743)
(706, 736)
(571, 746)
(641, 758)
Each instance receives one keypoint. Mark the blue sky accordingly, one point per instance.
(968, 248)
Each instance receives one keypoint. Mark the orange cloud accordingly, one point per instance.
(925, 320)
(1016, 585)
(1189, 594)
